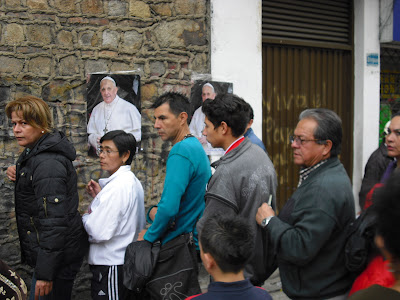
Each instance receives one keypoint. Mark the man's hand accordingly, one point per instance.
(264, 211)
(12, 173)
(43, 288)
(93, 188)
(141, 235)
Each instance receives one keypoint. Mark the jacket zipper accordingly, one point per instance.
(45, 206)
(37, 233)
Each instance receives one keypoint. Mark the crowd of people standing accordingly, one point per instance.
(226, 212)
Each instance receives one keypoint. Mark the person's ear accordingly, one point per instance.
(183, 116)
(208, 261)
(224, 127)
(328, 147)
(125, 156)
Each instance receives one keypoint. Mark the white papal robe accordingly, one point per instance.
(117, 115)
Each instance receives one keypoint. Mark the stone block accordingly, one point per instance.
(184, 7)
(43, 17)
(131, 40)
(13, 34)
(86, 38)
(162, 9)
(57, 90)
(39, 34)
(157, 68)
(40, 65)
(120, 66)
(11, 65)
(194, 34)
(200, 63)
(68, 66)
(92, 7)
(67, 6)
(117, 8)
(148, 91)
(190, 7)
(88, 53)
(5, 93)
(65, 38)
(92, 66)
(12, 3)
(180, 33)
(139, 9)
(37, 4)
(78, 20)
(111, 38)
(99, 21)
(108, 53)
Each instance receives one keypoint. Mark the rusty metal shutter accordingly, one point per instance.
(323, 23)
(296, 78)
(307, 62)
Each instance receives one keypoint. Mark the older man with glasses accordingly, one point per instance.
(308, 236)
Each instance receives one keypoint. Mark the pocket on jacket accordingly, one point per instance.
(52, 206)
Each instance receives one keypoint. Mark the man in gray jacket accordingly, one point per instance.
(244, 177)
(308, 236)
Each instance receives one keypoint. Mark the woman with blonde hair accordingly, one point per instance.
(52, 238)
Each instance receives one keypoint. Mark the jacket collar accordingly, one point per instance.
(231, 155)
(123, 169)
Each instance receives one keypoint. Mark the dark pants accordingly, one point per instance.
(62, 290)
(62, 284)
(107, 283)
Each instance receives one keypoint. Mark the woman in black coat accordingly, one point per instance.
(52, 238)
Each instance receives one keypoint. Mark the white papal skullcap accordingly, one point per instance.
(108, 78)
(210, 85)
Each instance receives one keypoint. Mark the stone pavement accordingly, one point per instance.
(274, 286)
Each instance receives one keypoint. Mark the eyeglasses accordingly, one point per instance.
(106, 151)
(298, 140)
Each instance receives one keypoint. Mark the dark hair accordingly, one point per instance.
(123, 141)
(329, 127)
(228, 108)
(178, 103)
(395, 115)
(387, 209)
(251, 112)
(229, 240)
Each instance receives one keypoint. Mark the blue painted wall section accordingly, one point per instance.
(396, 20)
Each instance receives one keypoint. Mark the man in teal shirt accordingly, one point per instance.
(188, 171)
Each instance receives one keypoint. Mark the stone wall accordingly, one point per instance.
(47, 49)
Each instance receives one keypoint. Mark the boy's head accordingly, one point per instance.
(229, 240)
(229, 109)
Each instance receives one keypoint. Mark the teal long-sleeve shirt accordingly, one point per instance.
(182, 200)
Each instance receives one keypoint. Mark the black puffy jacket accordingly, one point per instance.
(50, 227)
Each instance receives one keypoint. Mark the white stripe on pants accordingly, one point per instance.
(113, 283)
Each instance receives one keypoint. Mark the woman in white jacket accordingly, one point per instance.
(115, 217)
